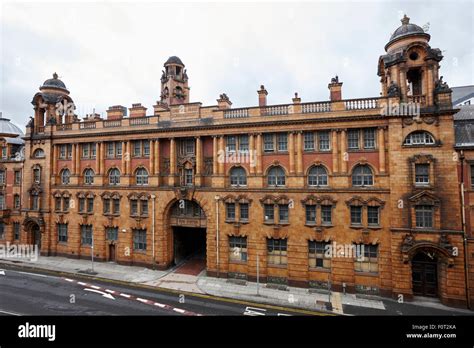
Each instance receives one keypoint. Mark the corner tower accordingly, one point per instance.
(174, 83)
(410, 67)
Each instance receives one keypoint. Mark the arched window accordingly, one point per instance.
(238, 177)
(419, 138)
(114, 176)
(141, 176)
(39, 153)
(88, 176)
(362, 176)
(276, 176)
(2, 176)
(317, 176)
(65, 176)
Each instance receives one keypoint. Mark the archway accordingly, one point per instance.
(188, 229)
(425, 274)
(33, 232)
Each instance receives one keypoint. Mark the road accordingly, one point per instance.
(27, 293)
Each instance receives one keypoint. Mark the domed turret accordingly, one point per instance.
(174, 82)
(54, 83)
(407, 30)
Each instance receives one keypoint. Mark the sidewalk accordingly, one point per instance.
(174, 279)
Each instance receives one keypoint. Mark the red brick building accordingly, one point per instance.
(277, 183)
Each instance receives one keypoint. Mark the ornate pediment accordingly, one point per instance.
(443, 249)
(424, 198)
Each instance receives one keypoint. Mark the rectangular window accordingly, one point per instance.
(144, 207)
(66, 203)
(324, 141)
(326, 214)
(188, 177)
(57, 203)
(244, 143)
(2, 202)
(269, 212)
(116, 208)
(82, 204)
(17, 177)
(16, 201)
(276, 251)
(310, 214)
(110, 150)
(2, 230)
(268, 145)
(62, 233)
(189, 146)
(231, 143)
(369, 138)
(37, 175)
(472, 175)
(146, 148)
(133, 207)
(356, 215)
(112, 233)
(369, 261)
(353, 138)
(424, 216)
(35, 202)
(238, 249)
(16, 230)
(230, 211)
(422, 174)
(90, 205)
(317, 255)
(106, 203)
(69, 151)
(85, 150)
(308, 141)
(139, 239)
(93, 150)
(137, 147)
(62, 151)
(373, 218)
(86, 234)
(244, 211)
(283, 213)
(4, 152)
(282, 142)
(118, 148)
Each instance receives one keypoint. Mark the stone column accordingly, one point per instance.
(344, 155)
(172, 156)
(156, 166)
(125, 155)
(215, 157)
(221, 150)
(198, 155)
(299, 153)
(55, 160)
(129, 158)
(152, 157)
(381, 144)
(291, 152)
(335, 167)
(252, 153)
(97, 157)
(78, 159)
(73, 159)
(102, 158)
(259, 154)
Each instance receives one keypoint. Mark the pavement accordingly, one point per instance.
(190, 279)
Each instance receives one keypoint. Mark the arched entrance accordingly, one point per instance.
(188, 228)
(33, 232)
(425, 274)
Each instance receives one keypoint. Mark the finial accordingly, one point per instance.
(55, 76)
(405, 20)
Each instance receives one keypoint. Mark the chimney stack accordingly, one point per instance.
(137, 110)
(116, 112)
(335, 89)
(262, 96)
(224, 102)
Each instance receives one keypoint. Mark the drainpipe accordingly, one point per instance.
(463, 215)
(217, 233)
(153, 229)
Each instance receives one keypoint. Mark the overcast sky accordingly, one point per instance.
(112, 53)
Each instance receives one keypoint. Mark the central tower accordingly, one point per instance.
(174, 83)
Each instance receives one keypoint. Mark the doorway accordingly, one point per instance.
(189, 243)
(111, 252)
(425, 274)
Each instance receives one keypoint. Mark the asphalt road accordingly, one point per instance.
(27, 293)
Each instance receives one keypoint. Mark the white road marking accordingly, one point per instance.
(81, 283)
(142, 300)
(111, 291)
(253, 311)
(2, 272)
(125, 295)
(160, 305)
(104, 294)
(179, 310)
(38, 275)
(68, 280)
(95, 287)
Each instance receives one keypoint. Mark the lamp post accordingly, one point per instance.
(217, 233)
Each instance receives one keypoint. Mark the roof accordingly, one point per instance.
(54, 83)
(462, 93)
(15, 141)
(174, 60)
(8, 128)
(407, 29)
(465, 113)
